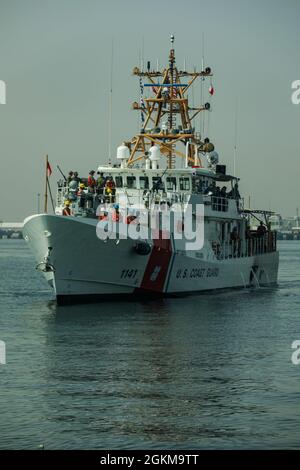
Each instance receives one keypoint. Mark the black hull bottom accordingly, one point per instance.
(98, 298)
(144, 295)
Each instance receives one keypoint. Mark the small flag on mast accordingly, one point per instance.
(49, 169)
(211, 90)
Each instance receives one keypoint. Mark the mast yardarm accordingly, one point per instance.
(168, 120)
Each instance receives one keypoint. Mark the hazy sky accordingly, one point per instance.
(55, 60)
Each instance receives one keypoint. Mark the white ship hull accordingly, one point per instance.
(86, 268)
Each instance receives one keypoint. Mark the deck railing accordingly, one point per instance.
(246, 247)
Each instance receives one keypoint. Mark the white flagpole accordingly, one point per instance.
(110, 102)
(235, 138)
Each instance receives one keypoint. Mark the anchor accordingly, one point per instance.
(45, 266)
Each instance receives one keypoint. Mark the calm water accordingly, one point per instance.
(209, 371)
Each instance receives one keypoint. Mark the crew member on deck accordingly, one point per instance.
(261, 230)
(66, 210)
(101, 184)
(81, 195)
(72, 191)
(81, 189)
(234, 193)
(110, 188)
(223, 192)
(91, 181)
(211, 189)
(70, 176)
(75, 177)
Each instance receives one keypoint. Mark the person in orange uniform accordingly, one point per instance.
(110, 188)
(91, 181)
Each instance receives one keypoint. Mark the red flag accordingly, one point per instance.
(49, 169)
(211, 90)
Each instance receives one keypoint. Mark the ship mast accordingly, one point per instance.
(168, 118)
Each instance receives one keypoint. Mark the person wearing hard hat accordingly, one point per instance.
(81, 195)
(66, 210)
(81, 189)
(110, 188)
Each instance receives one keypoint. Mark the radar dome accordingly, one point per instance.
(123, 152)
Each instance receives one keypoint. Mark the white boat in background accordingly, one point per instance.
(167, 169)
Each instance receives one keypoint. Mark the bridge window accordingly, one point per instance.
(119, 181)
(184, 184)
(131, 182)
(144, 182)
(171, 183)
(198, 184)
(157, 183)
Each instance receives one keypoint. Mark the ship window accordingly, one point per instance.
(197, 184)
(184, 184)
(144, 182)
(131, 182)
(119, 181)
(171, 183)
(157, 183)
